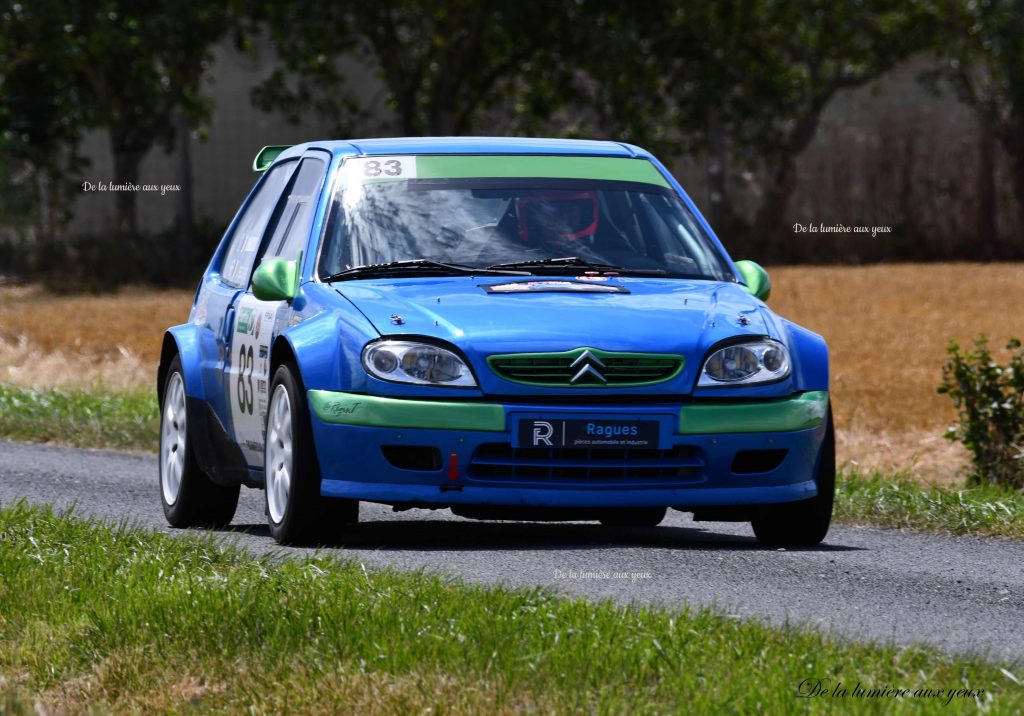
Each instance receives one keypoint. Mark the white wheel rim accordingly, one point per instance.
(172, 439)
(278, 465)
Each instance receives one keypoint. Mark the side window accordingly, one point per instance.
(291, 231)
(246, 240)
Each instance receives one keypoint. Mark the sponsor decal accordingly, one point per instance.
(390, 168)
(245, 323)
(248, 381)
(553, 287)
(584, 433)
(341, 408)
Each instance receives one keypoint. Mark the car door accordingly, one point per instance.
(214, 310)
(257, 323)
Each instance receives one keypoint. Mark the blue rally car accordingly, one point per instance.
(510, 328)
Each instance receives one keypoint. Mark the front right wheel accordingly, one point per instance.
(296, 512)
(804, 523)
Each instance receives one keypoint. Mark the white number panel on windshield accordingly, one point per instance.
(256, 323)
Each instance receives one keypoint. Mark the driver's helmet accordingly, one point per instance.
(557, 217)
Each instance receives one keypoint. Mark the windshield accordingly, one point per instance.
(482, 222)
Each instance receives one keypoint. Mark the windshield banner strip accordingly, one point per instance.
(372, 170)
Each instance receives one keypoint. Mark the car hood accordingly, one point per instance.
(681, 317)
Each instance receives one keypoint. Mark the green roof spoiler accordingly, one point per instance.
(267, 155)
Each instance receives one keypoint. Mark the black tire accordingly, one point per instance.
(198, 502)
(634, 517)
(805, 523)
(307, 518)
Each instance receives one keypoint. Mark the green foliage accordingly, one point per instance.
(899, 500)
(441, 64)
(981, 50)
(989, 399)
(125, 620)
(134, 69)
(747, 81)
(42, 118)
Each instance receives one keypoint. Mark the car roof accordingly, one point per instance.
(469, 145)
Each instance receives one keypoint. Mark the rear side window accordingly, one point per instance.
(291, 229)
(245, 242)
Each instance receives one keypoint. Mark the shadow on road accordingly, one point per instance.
(456, 535)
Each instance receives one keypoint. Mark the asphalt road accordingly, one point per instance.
(963, 594)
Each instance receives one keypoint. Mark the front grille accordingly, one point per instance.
(567, 369)
(500, 462)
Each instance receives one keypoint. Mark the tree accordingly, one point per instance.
(440, 64)
(141, 66)
(749, 79)
(982, 53)
(42, 115)
(134, 69)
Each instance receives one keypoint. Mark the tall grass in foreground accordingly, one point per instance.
(129, 421)
(898, 500)
(116, 618)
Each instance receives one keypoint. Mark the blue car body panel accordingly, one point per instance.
(325, 328)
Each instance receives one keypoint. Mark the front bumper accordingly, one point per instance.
(444, 453)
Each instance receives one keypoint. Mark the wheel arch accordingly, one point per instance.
(810, 357)
(326, 349)
(181, 341)
(280, 353)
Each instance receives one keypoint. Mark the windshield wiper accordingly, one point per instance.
(418, 266)
(577, 262)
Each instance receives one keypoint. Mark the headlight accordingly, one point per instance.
(421, 363)
(745, 363)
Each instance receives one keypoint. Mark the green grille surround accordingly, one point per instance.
(555, 370)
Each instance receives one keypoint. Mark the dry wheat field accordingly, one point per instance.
(887, 327)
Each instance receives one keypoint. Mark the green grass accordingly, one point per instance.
(898, 500)
(101, 618)
(127, 421)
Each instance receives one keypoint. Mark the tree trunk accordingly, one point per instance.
(442, 122)
(186, 217)
(988, 237)
(768, 223)
(720, 211)
(1013, 142)
(126, 174)
(767, 228)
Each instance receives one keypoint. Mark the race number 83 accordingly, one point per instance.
(244, 383)
(389, 167)
(375, 169)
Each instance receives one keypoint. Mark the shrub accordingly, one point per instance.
(989, 399)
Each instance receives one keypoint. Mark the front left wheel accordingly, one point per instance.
(296, 511)
(805, 523)
(189, 497)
